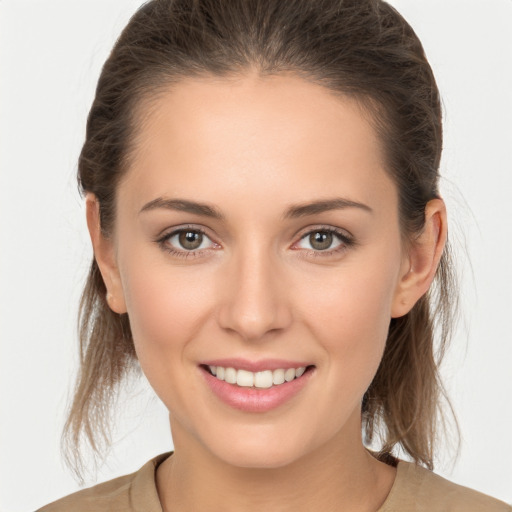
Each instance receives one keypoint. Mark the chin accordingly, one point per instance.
(263, 458)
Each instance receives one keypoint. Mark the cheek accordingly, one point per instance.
(357, 297)
(165, 307)
(166, 310)
(350, 315)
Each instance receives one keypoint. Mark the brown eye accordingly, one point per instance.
(187, 241)
(190, 240)
(321, 240)
(324, 241)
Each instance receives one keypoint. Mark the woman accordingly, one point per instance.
(261, 183)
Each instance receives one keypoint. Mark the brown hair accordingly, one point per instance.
(360, 48)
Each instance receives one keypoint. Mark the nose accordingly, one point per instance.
(254, 295)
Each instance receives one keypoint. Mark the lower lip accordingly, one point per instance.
(255, 399)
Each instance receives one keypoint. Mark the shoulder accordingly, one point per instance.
(112, 495)
(130, 493)
(418, 489)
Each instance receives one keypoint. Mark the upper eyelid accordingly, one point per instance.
(343, 233)
(168, 232)
(165, 235)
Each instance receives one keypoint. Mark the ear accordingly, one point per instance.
(104, 254)
(422, 260)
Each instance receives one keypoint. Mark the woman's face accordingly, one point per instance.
(257, 230)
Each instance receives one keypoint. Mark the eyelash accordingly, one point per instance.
(346, 241)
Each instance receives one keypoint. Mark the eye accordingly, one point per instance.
(321, 240)
(324, 240)
(186, 240)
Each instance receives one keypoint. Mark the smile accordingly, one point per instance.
(263, 379)
(256, 386)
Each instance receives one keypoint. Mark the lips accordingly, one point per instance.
(256, 386)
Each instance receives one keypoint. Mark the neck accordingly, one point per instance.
(340, 475)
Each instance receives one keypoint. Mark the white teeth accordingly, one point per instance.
(289, 374)
(230, 375)
(245, 378)
(300, 371)
(278, 377)
(263, 380)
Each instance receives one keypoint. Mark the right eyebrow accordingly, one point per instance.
(183, 205)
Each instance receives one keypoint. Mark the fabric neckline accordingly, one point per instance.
(144, 493)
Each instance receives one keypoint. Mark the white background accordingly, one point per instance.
(50, 56)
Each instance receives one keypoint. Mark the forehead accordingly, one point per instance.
(278, 135)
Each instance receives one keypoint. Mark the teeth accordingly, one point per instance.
(245, 378)
(263, 380)
(278, 377)
(300, 371)
(230, 375)
(289, 374)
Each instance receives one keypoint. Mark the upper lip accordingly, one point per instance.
(255, 366)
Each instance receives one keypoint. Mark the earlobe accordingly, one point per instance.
(104, 254)
(423, 259)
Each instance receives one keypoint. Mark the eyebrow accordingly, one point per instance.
(183, 205)
(338, 203)
(293, 212)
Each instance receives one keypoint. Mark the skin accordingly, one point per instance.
(251, 149)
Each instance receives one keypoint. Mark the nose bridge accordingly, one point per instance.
(253, 302)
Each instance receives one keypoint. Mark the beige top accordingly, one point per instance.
(415, 490)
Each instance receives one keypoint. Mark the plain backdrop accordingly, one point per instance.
(51, 52)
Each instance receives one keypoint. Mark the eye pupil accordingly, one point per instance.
(320, 240)
(190, 239)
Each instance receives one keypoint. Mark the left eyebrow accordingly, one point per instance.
(303, 210)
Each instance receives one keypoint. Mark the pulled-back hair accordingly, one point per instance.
(362, 49)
